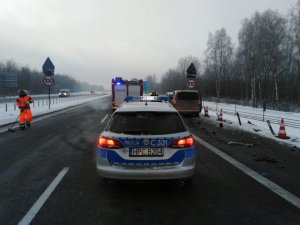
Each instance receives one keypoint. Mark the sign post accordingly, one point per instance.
(48, 80)
(264, 109)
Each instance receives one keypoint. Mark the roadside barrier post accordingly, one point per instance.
(220, 118)
(238, 116)
(270, 127)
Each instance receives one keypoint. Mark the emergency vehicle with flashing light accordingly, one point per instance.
(146, 139)
(121, 88)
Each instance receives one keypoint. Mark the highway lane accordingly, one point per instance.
(30, 160)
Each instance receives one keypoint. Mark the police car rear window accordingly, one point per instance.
(152, 123)
(187, 96)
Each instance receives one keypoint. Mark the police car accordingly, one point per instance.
(146, 140)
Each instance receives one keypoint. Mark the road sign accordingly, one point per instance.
(191, 83)
(191, 71)
(8, 79)
(48, 67)
(145, 86)
(48, 80)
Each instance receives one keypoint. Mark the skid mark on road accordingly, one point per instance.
(43, 198)
(291, 198)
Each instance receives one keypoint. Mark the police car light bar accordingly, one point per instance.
(147, 98)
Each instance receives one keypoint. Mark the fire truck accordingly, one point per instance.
(121, 88)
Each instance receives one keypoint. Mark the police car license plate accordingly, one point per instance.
(136, 152)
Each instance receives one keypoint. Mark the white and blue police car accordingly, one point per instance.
(146, 139)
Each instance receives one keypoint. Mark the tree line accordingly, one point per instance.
(32, 80)
(263, 68)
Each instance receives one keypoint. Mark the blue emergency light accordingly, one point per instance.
(146, 98)
(132, 98)
(118, 80)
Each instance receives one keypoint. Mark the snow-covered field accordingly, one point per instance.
(255, 126)
(231, 120)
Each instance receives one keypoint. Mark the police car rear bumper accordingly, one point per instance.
(184, 170)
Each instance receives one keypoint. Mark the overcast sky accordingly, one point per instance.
(96, 40)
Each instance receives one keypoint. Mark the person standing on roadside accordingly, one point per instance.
(23, 103)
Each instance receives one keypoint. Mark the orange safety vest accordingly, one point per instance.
(22, 100)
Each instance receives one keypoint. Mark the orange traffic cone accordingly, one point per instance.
(220, 117)
(282, 133)
(206, 111)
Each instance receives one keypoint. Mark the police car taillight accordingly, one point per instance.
(105, 142)
(185, 142)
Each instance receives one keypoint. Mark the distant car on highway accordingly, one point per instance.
(64, 93)
(146, 140)
(187, 101)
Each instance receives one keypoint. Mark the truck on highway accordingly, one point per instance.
(121, 88)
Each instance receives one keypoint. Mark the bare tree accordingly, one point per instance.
(218, 57)
(294, 56)
(171, 81)
(261, 46)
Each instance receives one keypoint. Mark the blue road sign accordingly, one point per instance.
(191, 71)
(145, 86)
(48, 67)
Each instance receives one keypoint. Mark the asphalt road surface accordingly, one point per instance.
(48, 176)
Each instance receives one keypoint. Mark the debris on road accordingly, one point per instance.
(251, 123)
(265, 158)
(239, 143)
(229, 122)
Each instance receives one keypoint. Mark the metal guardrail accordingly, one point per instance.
(259, 117)
(41, 102)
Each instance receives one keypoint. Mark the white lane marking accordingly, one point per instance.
(291, 198)
(43, 198)
(104, 118)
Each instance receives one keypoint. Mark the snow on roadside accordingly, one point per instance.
(11, 115)
(260, 126)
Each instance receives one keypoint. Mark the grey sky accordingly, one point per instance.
(96, 40)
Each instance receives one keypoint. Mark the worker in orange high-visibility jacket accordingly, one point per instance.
(23, 102)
